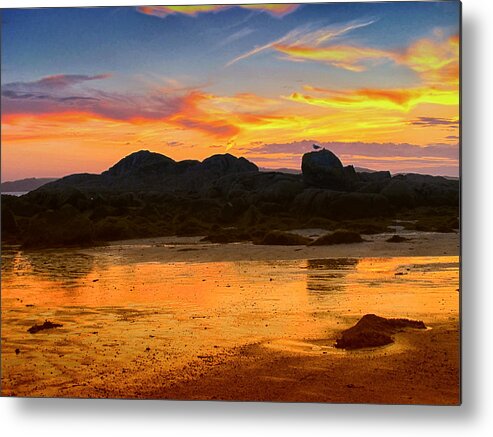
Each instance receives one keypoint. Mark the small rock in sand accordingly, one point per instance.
(372, 331)
(45, 325)
(396, 239)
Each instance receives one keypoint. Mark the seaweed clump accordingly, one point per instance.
(338, 237)
(46, 325)
(373, 331)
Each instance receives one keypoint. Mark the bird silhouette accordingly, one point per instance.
(316, 147)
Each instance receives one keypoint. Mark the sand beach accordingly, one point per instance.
(179, 318)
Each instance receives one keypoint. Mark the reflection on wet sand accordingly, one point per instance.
(65, 267)
(126, 322)
(324, 275)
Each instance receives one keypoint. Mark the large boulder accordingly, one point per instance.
(140, 162)
(324, 169)
(227, 164)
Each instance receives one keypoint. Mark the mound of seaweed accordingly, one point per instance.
(397, 239)
(338, 237)
(373, 331)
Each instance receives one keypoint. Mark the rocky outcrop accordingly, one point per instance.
(150, 171)
(148, 194)
(142, 162)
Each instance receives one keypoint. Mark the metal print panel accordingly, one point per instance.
(252, 202)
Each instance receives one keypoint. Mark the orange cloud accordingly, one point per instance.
(193, 10)
(347, 57)
(434, 59)
(276, 10)
(391, 99)
(192, 116)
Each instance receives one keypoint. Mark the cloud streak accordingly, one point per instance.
(434, 121)
(389, 99)
(434, 59)
(183, 108)
(59, 81)
(275, 10)
(303, 37)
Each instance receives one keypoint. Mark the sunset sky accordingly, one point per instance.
(377, 83)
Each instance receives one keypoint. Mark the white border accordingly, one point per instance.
(36, 418)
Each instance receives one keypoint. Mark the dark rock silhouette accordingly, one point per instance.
(373, 331)
(9, 223)
(322, 169)
(142, 162)
(61, 227)
(148, 194)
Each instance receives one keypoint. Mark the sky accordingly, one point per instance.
(377, 83)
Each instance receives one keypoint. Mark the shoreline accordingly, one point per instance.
(191, 249)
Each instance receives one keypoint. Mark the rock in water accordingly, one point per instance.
(372, 331)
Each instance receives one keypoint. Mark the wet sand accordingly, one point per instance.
(186, 249)
(420, 368)
(174, 318)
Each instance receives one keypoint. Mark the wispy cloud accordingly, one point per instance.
(304, 37)
(434, 59)
(48, 92)
(180, 107)
(276, 10)
(402, 99)
(434, 121)
(57, 81)
(236, 36)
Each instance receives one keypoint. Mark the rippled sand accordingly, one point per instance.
(142, 319)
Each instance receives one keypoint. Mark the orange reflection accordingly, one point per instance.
(114, 308)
